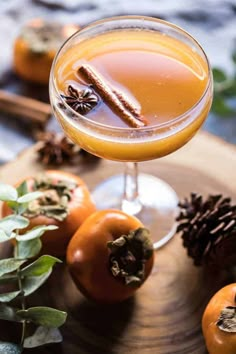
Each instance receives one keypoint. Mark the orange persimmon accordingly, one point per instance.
(219, 322)
(36, 46)
(110, 256)
(66, 203)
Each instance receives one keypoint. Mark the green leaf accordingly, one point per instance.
(21, 208)
(44, 316)
(42, 336)
(7, 192)
(40, 266)
(22, 189)
(8, 265)
(13, 205)
(31, 284)
(4, 237)
(234, 56)
(230, 89)
(221, 107)
(13, 222)
(8, 313)
(219, 75)
(29, 197)
(36, 232)
(29, 249)
(10, 348)
(7, 297)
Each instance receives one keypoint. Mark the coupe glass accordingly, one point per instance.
(149, 198)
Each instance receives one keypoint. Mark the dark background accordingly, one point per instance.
(212, 22)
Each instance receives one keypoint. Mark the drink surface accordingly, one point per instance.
(163, 76)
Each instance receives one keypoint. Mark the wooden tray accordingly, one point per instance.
(165, 315)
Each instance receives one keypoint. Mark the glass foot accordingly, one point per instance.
(156, 206)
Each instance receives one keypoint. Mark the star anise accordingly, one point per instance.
(56, 149)
(82, 101)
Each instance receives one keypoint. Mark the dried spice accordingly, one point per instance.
(81, 101)
(129, 254)
(208, 229)
(54, 201)
(116, 100)
(56, 149)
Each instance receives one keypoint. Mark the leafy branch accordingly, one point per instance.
(25, 274)
(224, 91)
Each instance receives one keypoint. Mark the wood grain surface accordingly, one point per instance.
(165, 315)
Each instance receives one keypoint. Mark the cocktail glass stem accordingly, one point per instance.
(131, 203)
(147, 197)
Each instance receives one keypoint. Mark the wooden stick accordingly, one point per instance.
(28, 108)
(116, 100)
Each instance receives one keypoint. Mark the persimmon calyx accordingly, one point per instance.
(128, 256)
(227, 319)
(55, 198)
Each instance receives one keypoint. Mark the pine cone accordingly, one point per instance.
(208, 229)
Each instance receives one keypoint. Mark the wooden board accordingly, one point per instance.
(165, 315)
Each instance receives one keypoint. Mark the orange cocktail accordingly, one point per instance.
(131, 88)
(162, 74)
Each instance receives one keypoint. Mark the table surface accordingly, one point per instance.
(165, 315)
(213, 25)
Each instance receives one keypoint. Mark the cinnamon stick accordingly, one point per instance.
(115, 99)
(130, 106)
(35, 111)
